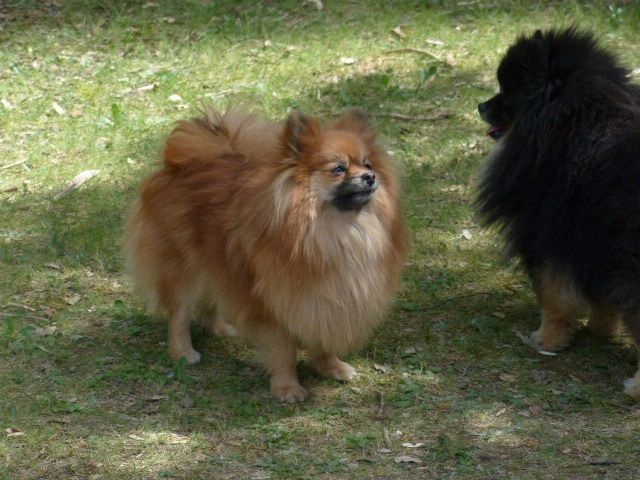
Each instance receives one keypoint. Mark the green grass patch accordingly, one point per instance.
(86, 387)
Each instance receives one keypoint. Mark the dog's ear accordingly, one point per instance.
(300, 133)
(357, 121)
(537, 35)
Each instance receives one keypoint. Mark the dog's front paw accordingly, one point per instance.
(543, 342)
(632, 386)
(341, 371)
(223, 329)
(190, 354)
(331, 366)
(289, 393)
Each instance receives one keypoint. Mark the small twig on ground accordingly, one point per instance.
(14, 164)
(409, 118)
(26, 315)
(414, 50)
(12, 188)
(18, 305)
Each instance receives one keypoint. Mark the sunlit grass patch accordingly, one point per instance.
(86, 387)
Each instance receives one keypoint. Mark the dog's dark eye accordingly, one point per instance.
(339, 169)
(367, 163)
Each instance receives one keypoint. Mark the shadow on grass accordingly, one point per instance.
(190, 20)
(451, 331)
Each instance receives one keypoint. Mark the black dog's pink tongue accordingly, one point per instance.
(495, 132)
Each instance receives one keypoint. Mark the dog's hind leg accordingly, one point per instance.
(632, 325)
(605, 322)
(180, 335)
(213, 319)
(559, 318)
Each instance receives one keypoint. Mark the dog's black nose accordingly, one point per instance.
(369, 178)
(483, 107)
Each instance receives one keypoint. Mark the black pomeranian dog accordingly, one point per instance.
(563, 184)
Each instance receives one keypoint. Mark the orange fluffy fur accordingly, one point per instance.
(239, 220)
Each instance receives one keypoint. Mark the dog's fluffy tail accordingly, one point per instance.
(214, 134)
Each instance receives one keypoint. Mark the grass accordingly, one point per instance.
(86, 388)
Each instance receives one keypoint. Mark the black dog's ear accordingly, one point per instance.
(537, 35)
(300, 132)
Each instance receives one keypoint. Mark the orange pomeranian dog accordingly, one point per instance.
(289, 233)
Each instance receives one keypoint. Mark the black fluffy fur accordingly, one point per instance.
(564, 183)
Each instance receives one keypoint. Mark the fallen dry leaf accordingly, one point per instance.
(407, 459)
(46, 331)
(156, 398)
(413, 445)
(316, 3)
(261, 476)
(177, 439)
(450, 61)
(14, 432)
(547, 354)
(147, 88)
(76, 182)
(73, 299)
(382, 368)
(508, 377)
(398, 32)
(58, 108)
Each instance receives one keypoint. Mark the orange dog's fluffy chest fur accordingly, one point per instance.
(242, 216)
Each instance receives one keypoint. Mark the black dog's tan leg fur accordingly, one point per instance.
(604, 322)
(632, 385)
(559, 317)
